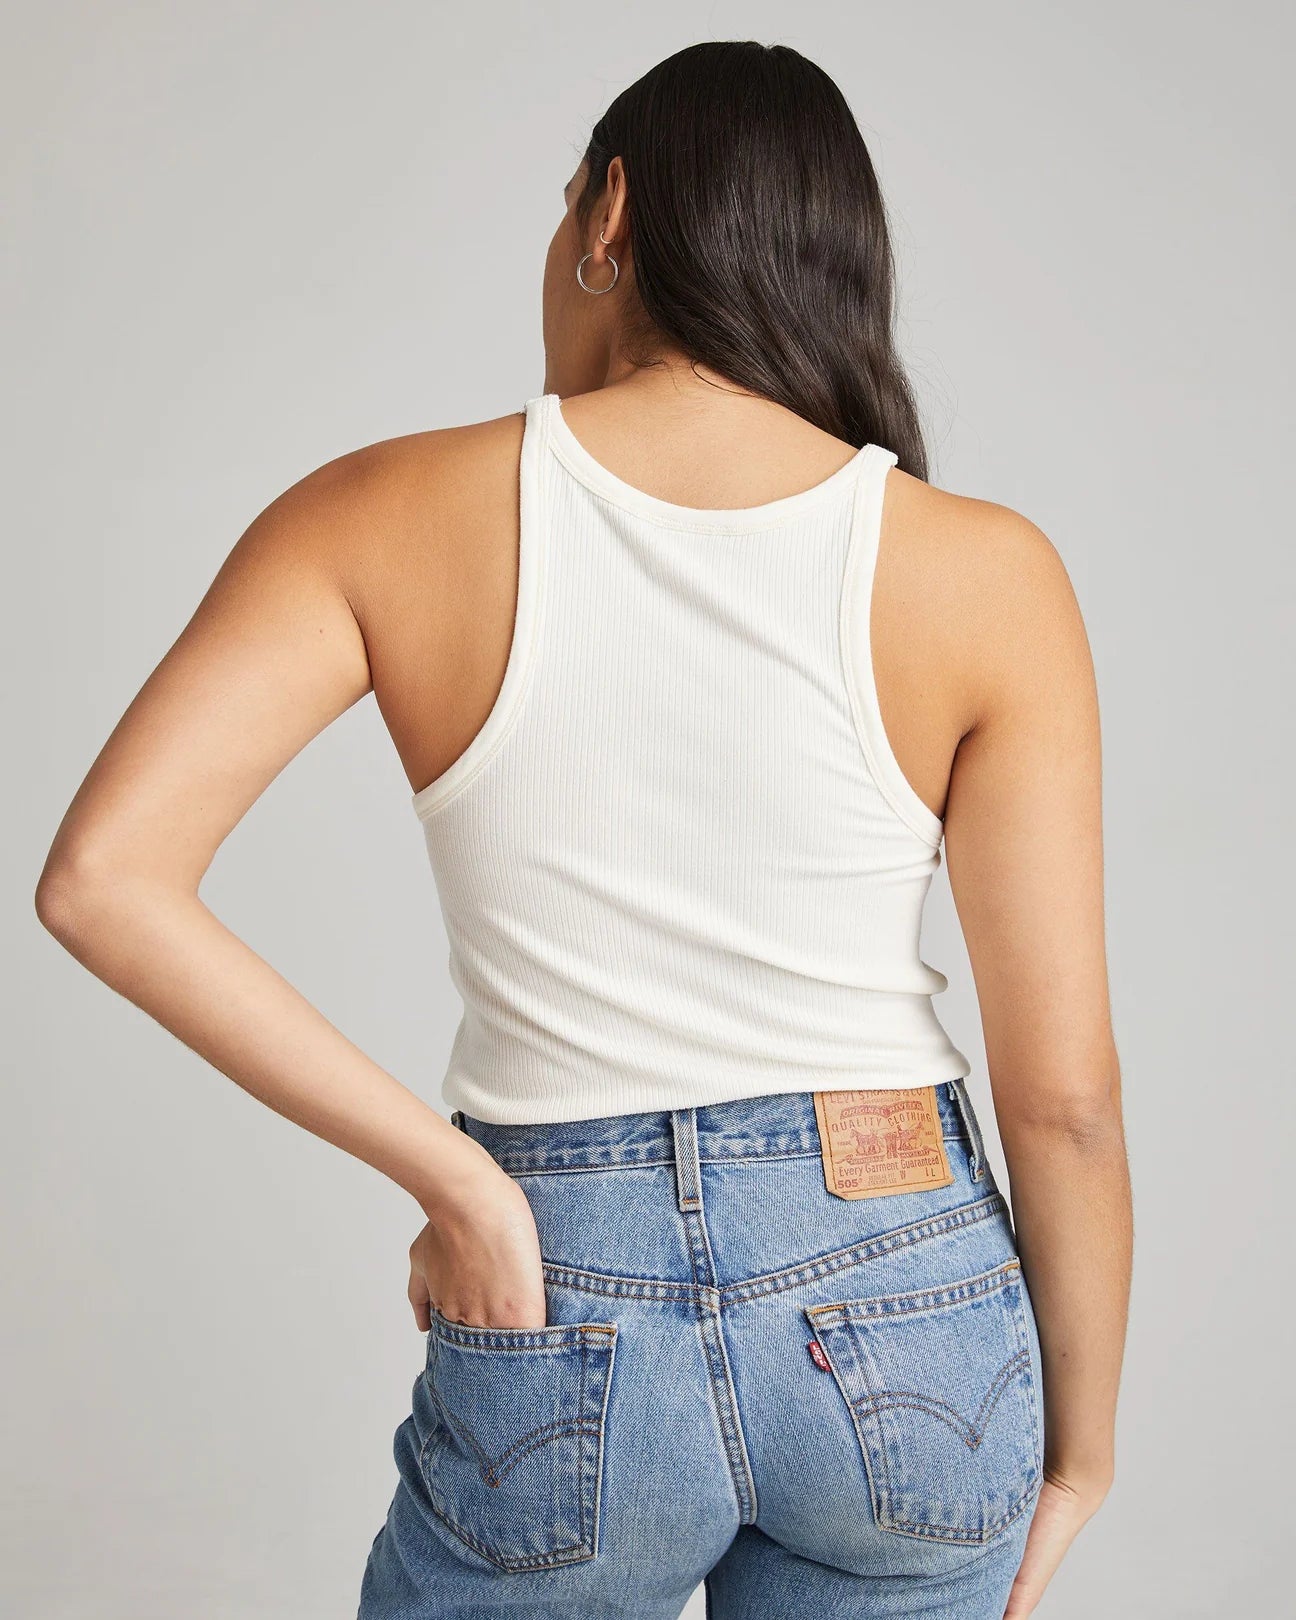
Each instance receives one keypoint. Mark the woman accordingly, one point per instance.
(690, 671)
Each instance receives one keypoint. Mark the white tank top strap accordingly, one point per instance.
(857, 647)
(532, 538)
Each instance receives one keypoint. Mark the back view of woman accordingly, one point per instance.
(692, 673)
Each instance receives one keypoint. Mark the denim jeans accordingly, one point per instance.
(817, 1406)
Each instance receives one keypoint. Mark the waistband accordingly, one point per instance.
(780, 1125)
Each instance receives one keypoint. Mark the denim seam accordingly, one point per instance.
(920, 1299)
(953, 1533)
(521, 1165)
(724, 1397)
(599, 1452)
(573, 1554)
(660, 1289)
(844, 1259)
(877, 1495)
(725, 1405)
(1022, 1305)
(580, 1413)
(665, 1289)
(529, 1341)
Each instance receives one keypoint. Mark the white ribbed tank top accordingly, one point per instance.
(679, 863)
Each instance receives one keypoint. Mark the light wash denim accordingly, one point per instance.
(819, 1407)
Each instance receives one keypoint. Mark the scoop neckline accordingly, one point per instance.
(603, 481)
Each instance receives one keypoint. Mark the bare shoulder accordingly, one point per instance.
(996, 588)
(382, 498)
(1004, 559)
(454, 459)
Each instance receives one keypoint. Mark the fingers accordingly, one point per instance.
(420, 1301)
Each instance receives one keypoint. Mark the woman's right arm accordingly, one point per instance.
(271, 656)
(1023, 831)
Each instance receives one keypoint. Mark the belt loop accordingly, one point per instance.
(688, 1167)
(976, 1142)
(457, 1119)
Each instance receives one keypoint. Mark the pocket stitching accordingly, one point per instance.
(954, 1533)
(840, 1313)
(554, 1336)
(580, 1462)
(587, 1546)
(917, 1402)
(915, 1300)
(492, 1471)
(945, 1532)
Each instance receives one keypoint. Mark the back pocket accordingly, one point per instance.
(941, 1387)
(514, 1462)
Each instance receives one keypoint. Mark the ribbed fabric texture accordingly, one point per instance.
(679, 863)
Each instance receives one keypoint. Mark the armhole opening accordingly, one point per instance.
(857, 653)
(498, 722)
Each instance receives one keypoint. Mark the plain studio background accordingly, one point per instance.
(249, 238)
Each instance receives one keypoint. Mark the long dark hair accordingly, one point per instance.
(760, 237)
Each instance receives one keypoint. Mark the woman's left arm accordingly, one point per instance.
(272, 655)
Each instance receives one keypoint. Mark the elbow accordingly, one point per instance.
(74, 897)
(61, 901)
(1092, 1127)
(1083, 1115)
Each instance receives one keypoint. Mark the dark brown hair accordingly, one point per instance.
(760, 238)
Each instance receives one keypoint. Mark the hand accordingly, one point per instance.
(480, 1263)
(1061, 1512)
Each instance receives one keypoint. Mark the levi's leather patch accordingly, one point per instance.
(875, 1142)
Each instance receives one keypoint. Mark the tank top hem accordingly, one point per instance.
(494, 1108)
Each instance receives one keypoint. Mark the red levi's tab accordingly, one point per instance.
(817, 1355)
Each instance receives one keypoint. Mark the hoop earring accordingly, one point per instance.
(597, 291)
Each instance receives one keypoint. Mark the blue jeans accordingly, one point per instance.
(818, 1406)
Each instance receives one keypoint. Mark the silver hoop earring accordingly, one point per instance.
(603, 238)
(598, 291)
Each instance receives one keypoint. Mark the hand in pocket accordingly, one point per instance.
(478, 1262)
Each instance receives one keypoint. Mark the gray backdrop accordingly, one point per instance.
(250, 237)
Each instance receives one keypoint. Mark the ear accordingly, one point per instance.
(616, 201)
